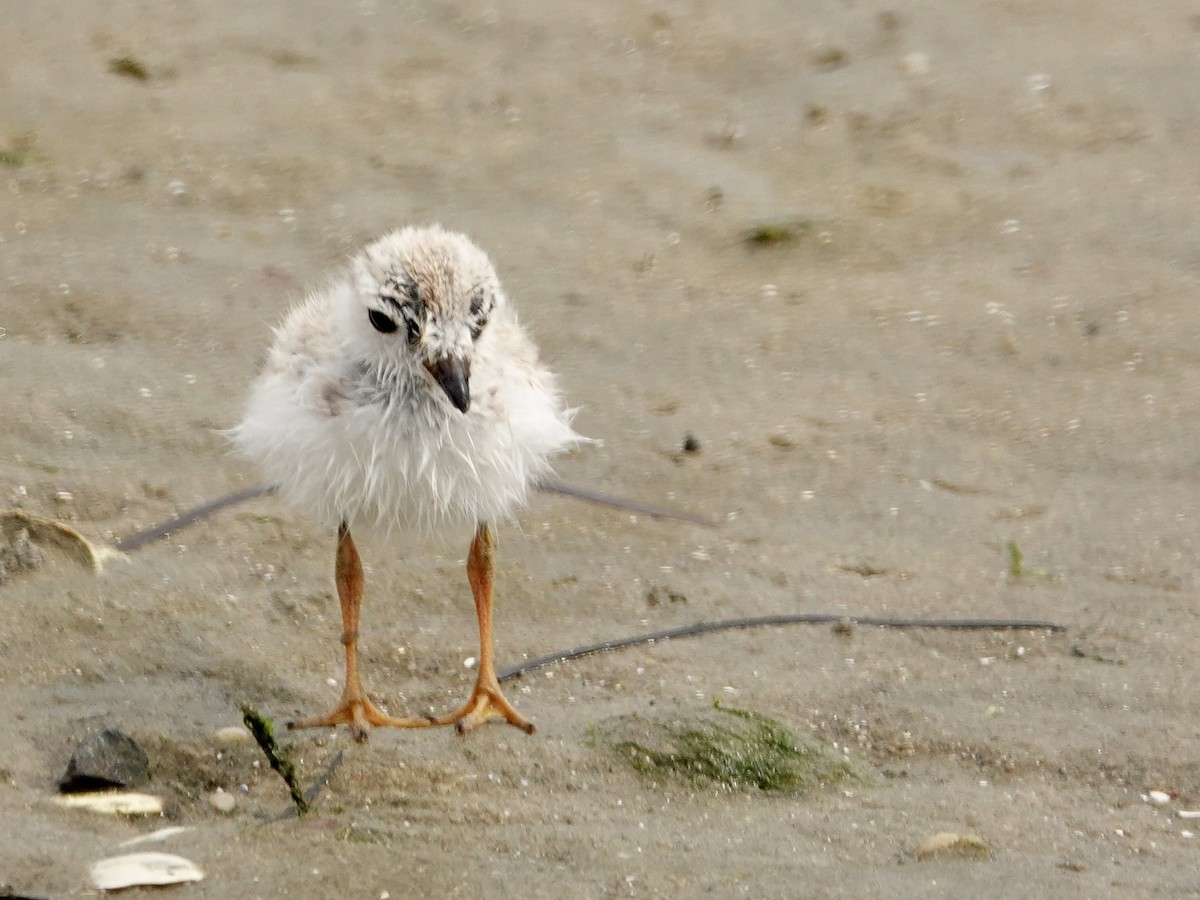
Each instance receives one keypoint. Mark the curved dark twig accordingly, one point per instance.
(195, 514)
(554, 486)
(204, 510)
(163, 529)
(654, 637)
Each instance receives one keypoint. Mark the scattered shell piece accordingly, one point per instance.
(134, 869)
(948, 845)
(469, 662)
(221, 801)
(1158, 798)
(155, 837)
(1187, 834)
(113, 803)
(64, 497)
(233, 734)
(50, 533)
(1189, 813)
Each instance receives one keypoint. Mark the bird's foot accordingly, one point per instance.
(486, 703)
(360, 714)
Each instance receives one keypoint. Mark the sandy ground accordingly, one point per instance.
(985, 332)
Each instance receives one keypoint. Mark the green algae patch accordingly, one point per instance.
(732, 749)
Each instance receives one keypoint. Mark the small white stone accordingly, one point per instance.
(64, 497)
(233, 734)
(1038, 82)
(914, 64)
(469, 662)
(1159, 798)
(222, 802)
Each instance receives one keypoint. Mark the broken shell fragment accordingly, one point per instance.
(153, 837)
(49, 533)
(113, 803)
(135, 869)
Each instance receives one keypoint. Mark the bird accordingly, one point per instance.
(405, 397)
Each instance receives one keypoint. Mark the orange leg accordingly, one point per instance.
(486, 701)
(355, 709)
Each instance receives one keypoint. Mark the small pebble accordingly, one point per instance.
(914, 64)
(233, 734)
(1159, 798)
(105, 758)
(222, 802)
(64, 497)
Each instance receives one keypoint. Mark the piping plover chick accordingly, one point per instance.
(405, 396)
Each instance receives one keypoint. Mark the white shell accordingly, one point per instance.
(51, 533)
(113, 803)
(143, 868)
(154, 837)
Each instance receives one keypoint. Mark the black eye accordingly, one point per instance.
(382, 323)
(478, 314)
(477, 303)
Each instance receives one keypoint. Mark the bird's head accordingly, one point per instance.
(422, 298)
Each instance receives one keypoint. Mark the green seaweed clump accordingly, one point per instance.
(18, 153)
(129, 67)
(735, 749)
(774, 233)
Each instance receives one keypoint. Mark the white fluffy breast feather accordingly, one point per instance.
(347, 442)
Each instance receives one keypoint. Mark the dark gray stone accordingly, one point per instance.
(105, 759)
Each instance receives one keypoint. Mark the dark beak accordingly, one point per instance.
(452, 374)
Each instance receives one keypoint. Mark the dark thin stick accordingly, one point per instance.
(321, 780)
(310, 796)
(764, 621)
(195, 514)
(139, 539)
(554, 486)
